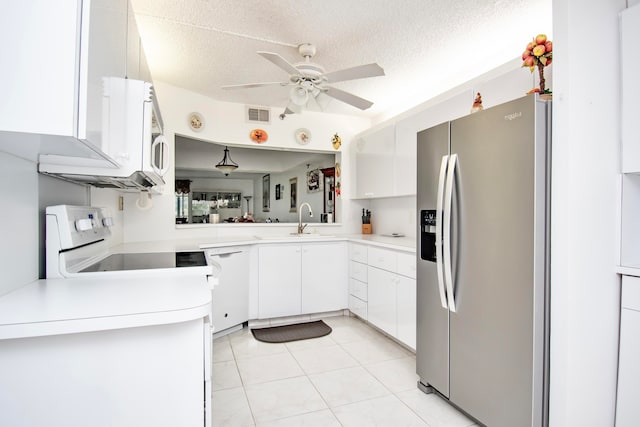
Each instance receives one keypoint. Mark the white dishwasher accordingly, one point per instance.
(230, 286)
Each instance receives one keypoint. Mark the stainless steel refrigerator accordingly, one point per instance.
(482, 264)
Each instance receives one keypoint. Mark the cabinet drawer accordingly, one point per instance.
(358, 289)
(358, 271)
(383, 259)
(358, 307)
(407, 264)
(631, 293)
(358, 252)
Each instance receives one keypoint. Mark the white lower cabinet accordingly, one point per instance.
(627, 408)
(382, 300)
(302, 279)
(279, 291)
(406, 306)
(358, 307)
(324, 277)
(382, 290)
(358, 280)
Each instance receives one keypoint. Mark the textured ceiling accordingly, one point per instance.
(425, 46)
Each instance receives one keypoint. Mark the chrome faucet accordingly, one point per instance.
(300, 226)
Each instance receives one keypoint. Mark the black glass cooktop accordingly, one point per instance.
(147, 261)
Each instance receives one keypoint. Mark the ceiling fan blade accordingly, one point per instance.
(250, 85)
(348, 98)
(359, 72)
(279, 61)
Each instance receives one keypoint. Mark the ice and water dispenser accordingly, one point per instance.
(428, 235)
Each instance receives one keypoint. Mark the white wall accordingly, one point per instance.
(225, 123)
(585, 291)
(18, 222)
(22, 217)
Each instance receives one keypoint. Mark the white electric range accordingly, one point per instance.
(78, 244)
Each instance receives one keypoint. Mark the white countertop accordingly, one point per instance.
(63, 306)
(399, 243)
(407, 244)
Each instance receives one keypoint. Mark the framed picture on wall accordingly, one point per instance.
(266, 193)
(293, 194)
(313, 181)
(278, 191)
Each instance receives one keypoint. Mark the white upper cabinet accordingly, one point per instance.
(404, 160)
(59, 54)
(630, 63)
(374, 163)
(385, 159)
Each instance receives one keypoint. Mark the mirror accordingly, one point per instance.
(268, 186)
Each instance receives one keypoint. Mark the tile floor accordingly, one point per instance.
(354, 376)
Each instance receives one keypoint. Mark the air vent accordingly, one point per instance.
(258, 115)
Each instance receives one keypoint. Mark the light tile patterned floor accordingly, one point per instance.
(355, 376)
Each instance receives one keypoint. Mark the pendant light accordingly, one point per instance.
(227, 165)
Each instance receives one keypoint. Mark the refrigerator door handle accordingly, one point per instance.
(446, 231)
(439, 204)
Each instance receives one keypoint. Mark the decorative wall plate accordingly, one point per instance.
(196, 122)
(303, 136)
(259, 136)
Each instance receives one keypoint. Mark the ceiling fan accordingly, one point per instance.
(310, 83)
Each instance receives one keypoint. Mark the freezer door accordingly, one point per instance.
(499, 269)
(432, 346)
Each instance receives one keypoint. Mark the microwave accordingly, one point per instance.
(135, 152)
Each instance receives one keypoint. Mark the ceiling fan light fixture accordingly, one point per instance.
(227, 165)
(299, 95)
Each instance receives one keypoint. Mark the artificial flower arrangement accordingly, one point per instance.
(539, 53)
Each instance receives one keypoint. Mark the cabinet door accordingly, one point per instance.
(404, 160)
(627, 409)
(406, 307)
(629, 61)
(40, 66)
(100, 57)
(373, 163)
(60, 53)
(381, 304)
(324, 277)
(279, 281)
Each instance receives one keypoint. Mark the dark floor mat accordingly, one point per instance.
(299, 331)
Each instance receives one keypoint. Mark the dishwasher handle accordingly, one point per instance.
(223, 254)
(216, 270)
